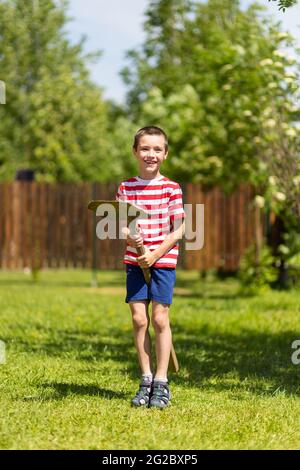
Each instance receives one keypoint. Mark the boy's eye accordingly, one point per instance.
(145, 149)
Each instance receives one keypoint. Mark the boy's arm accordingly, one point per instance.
(177, 215)
(137, 241)
(150, 257)
(169, 241)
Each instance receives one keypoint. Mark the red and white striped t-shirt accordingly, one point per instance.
(161, 198)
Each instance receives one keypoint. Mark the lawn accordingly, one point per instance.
(71, 367)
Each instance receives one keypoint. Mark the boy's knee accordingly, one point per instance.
(140, 320)
(160, 321)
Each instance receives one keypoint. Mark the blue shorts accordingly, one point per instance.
(160, 289)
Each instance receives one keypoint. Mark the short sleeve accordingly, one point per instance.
(176, 210)
(120, 196)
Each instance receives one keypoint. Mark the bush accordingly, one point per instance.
(257, 275)
(290, 254)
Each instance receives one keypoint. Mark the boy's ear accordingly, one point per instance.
(166, 154)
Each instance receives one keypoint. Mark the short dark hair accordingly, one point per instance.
(149, 130)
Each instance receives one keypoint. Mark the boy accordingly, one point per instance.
(162, 199)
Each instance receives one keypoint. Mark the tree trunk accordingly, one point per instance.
(276, 238)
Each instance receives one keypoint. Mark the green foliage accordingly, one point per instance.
(221, 83)
(257, 270)
(214, 77)
(289, 252)
(54, 120)
(121, 130)
(283, 4)
(35, 274)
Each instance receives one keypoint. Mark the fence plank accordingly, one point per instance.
(9, 225)
(49, 225)
(218, 229)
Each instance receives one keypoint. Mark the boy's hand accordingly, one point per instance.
(136, 241)
(147, 259)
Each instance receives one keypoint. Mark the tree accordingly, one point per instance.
(212, 74)
(283, 4)
(121, 131)
(219, 81)
(54, 120)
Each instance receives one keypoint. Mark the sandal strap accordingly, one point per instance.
(161, 392)
(144, 390)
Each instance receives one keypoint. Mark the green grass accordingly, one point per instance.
(71, 368)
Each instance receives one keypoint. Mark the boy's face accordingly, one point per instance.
(150, 154)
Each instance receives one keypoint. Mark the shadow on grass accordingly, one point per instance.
(60, 390)
(86, 347)
(255, 362)
(89, 347)
(65, 389)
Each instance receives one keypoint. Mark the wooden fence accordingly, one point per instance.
(48, 225)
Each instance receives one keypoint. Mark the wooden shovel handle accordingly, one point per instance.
(147, 275)
(146, 271)
(173, 360)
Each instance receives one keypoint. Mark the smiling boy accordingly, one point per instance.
(160, 233)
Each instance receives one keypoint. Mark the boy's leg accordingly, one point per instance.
(163, 338)
(160, 319)
(140, 321)
(142, 341)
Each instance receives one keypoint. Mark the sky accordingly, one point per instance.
(116, 26)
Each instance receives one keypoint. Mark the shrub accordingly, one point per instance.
(257, 271)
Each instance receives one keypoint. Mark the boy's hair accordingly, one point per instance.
(149, 130)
